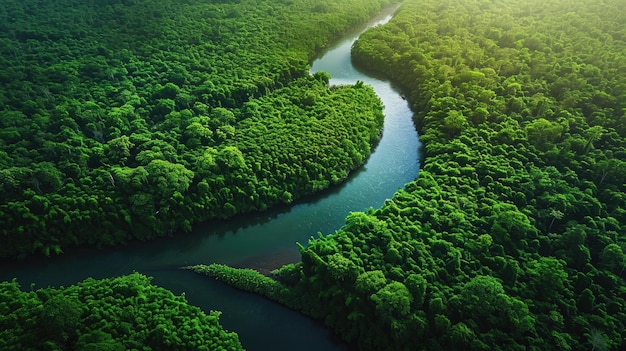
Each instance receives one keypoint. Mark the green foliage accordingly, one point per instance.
(98, 340)
(612, 258)
(110, 314)
(136, 119)
(392, 301)
(368, 283)
(248, 280)
(119, 124)
(512, 237)
(417, 286)
(60, 316)
(342, 269)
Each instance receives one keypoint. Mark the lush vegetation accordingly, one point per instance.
(249, 280)
(127, 119)
(513, 235)
(125, 313)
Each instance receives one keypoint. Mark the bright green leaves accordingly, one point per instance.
(370, 282)
(361, 223)
(592, 135)
(206, 163)
(168, 178)
(107, 315)
(118, 149)
(323, 77)
(197, 134)
(132, 179)
(168, 91)
(286, 197)
(483, 301)
(511, 236)
(342, 269)
(124, 122)
(392, 301)
(221, 116)
(230, 158)
(512, 224)
(454, 123)
(155, 150)
(543, 133)
(482, 290)
(468, 77)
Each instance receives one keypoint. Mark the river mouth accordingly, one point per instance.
(263, 240)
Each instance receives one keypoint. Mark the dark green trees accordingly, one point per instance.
(125, 313)
(112, 132)
(512, 237)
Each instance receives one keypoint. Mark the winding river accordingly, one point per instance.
(262, 240)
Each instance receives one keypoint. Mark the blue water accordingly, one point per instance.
(263, 240)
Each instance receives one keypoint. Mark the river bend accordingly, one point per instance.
(261, 240)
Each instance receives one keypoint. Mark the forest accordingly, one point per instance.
(513, 236)
(114, 314)
(131, 119)
(128, 120)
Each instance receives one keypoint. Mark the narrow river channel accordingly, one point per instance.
(262, 240)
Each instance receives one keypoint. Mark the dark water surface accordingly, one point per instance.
(263, 240)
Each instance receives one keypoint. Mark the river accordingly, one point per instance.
(261, 240)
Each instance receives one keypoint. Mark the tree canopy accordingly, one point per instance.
(512, 236)
(131, 120)
(124, 313)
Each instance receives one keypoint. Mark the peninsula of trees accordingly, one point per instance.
(127, 119)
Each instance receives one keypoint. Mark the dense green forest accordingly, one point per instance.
(125, 313)
(132, 119)
(513, 236)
